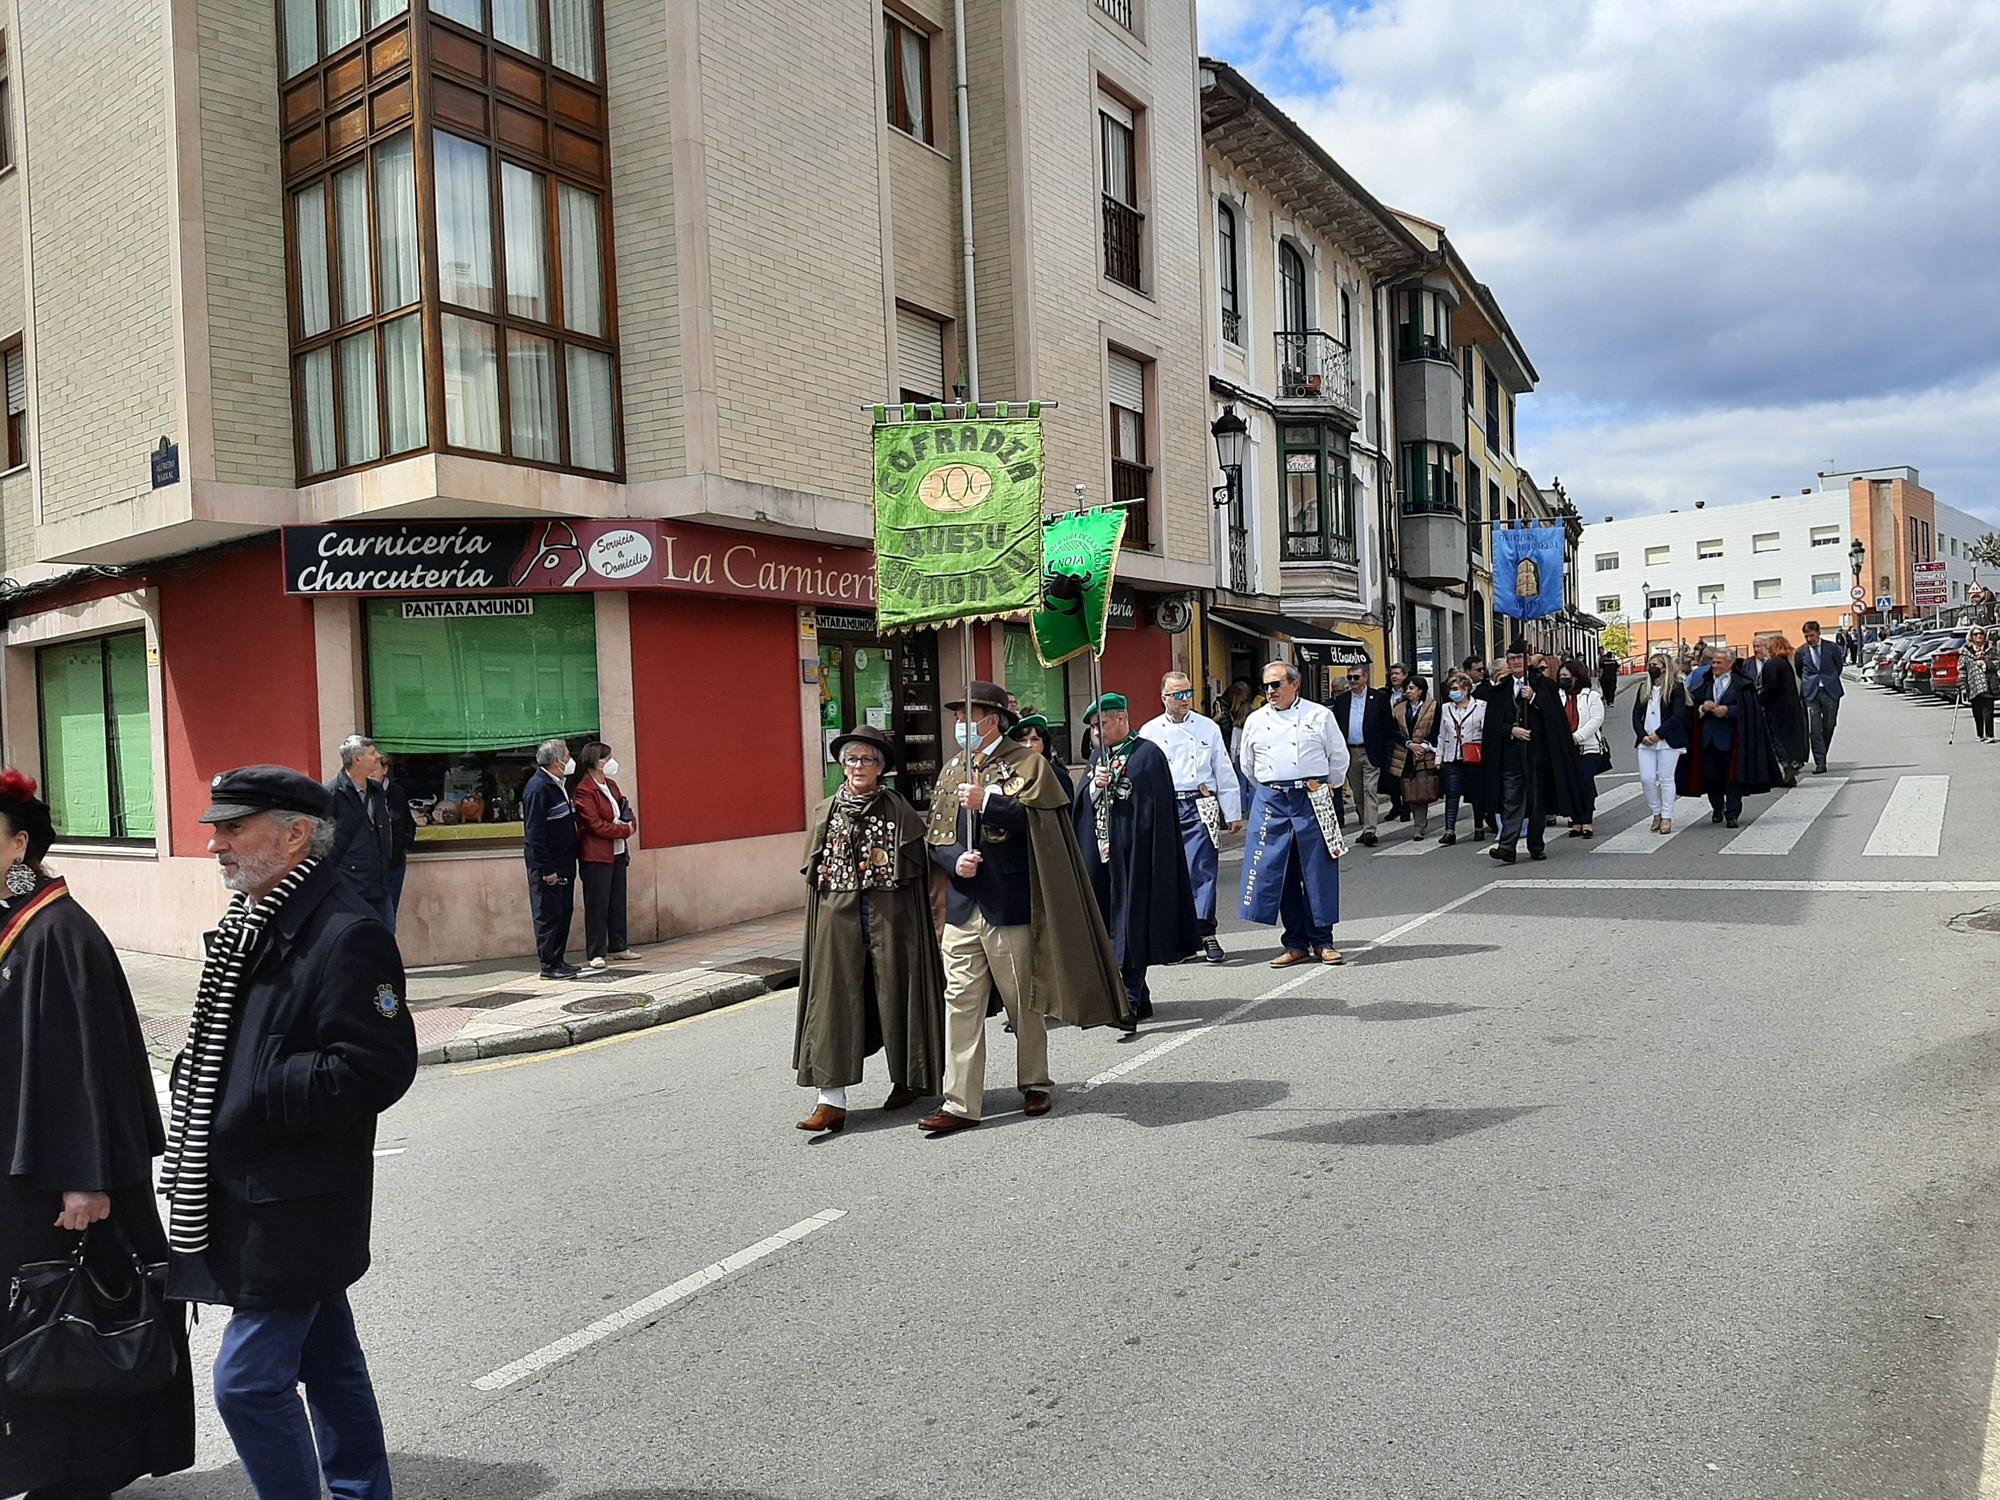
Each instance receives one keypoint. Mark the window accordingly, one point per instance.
(571, 43)
(1492, 407)
(15, 359)
(919, 356)
(1708, 593)
(1510, 422)
(1318, 502)
(1346, 319)
(1659, 599)
(1131, 475)
(1952, 540)
(1292, 314)
(1929, 553)
(1607, 605)
(907, 69)
(1423, 324)
(97, 736)
(1766, 588)
(1764, 541)
(1470, 387)
(316, 29)
(6, 105)
(1123, 223)
(1659, 557)
(1826, 583)
(1826, 536)
(1229, 267)
(1119, 11)
(1607, 562)
(1711, 548)
(462, 703)
(1475, 506)
(1430, 479)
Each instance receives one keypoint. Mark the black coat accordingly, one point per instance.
(1143, 890)
(323, 1044)
(363, 846)
(1784, 711)
(1378, 732)
(76, 1095)
(402, 824)
(548, 827)
(1673, 717)
(1549, 757)
(1753, 762)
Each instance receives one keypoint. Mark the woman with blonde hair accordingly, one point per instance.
(1660, 728)
(1784, 708)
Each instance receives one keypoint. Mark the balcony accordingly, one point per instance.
(1308, 547)
(1433, 542)
(1123, 226)
(1313, 370)
(1134, 482)
(1119, 11)
(1239, 560)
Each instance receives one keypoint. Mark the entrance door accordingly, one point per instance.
(892, 686)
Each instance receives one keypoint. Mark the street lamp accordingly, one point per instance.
(1232, 446)
(1857, 558)
(1646, 598)
(1677, 621)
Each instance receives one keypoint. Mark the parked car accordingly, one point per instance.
(1913, 670)
(1942, 662)
(1884, 672)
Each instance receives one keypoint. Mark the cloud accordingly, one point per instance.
(1744, 213)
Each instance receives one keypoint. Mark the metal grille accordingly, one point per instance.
(1122, 226)
(1119, 11)
(1130, 481)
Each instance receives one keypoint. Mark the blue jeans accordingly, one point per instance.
(1454, 788)
(266, 1355)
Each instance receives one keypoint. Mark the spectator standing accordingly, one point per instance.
(81, 1130)
(1414, 761)
(1583, 707)
(1362, 714)
(1979, 679)
(605, 824)
(1660, 730)
(1461, 732)
(1033, 731)
(1391, 788)
(1607, 678)
(1819, 666)
(402, 837)
(364, 839)
(549, 845)
(300, 1040)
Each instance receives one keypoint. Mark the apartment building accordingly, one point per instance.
(1301, 257)
(1703, 573)
(548, 328)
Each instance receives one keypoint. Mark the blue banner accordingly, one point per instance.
(1527, 570)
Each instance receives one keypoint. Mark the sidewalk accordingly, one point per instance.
(503, 1006)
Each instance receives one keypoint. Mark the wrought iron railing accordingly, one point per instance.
(1119, 11)
(1123, 227)
(1239, 560)
(1317, 547)
(1314, 367)
(1232, 326)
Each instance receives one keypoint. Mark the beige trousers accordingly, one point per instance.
(977, 957)
(1364, 788)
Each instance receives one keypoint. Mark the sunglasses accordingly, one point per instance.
(1275, 683)
(1185, 695)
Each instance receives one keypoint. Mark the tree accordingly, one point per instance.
(1617, 637)
(1986, 550)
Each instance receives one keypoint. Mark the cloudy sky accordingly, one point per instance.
(1742, 240)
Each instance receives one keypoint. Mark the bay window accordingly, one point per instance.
(1317, 508)
(1423, 324)
(1430, 479)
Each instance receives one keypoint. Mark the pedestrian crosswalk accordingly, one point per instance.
(1907, 821)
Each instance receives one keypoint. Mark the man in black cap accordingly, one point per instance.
(300, 1039)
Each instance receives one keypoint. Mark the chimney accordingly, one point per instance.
(1607, 520)
(1699, 504)
(1806, 491)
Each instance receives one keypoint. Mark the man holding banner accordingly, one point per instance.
(1295, 757)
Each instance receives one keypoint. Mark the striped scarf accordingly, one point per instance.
(184, 1174)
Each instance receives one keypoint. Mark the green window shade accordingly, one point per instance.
(1039, 688)
(132, 732)
(453, 686)
(75, 759)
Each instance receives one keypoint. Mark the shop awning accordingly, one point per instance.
(1318, 645)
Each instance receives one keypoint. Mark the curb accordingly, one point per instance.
(560, 1034)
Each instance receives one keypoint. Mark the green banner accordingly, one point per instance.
(958, 520)
(1079, 557)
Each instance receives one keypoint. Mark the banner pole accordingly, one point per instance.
(971, 751)
(1097, 692)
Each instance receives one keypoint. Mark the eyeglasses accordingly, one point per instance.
(856, 762)
(1185, 695)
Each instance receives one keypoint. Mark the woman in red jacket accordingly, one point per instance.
(604, 823)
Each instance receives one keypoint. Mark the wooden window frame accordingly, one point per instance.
(16, 450)
(115, 809)
(6, 102)
(1334, 541)
(1229, 277)
(898, 100)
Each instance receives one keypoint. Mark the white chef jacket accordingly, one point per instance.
(1198, 758)
(1301, 743)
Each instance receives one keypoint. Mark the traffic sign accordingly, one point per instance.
(1857, 593)
(1884, 603)
(1920, 569)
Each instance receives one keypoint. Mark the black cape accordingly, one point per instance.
(1753, 761)
(1143, 890)
(78, 1113)
(1552, 760)
(1784, 711)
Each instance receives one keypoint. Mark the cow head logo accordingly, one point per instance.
(555, 562)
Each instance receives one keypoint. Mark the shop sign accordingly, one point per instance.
(849, 624)
(468, 609)
(1124, 609)
(527, 556)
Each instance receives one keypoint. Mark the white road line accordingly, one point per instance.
(1913, 822)
(1803, 887)
(1640, 838)
(1989, 1465)
(1615, 798)
(1782, 824)
(661, 1300)
(1407, 848)
(1618, 796)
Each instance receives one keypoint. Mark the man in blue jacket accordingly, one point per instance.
(361, 848)
(1820, 689)
(549, 844)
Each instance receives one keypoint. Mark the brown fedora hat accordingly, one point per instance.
(988, 695)
(866, 734)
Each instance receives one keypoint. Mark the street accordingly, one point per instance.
(1663, 1168)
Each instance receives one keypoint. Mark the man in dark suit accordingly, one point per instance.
(1820, 689)
(1363, 716)
(1717, 703)
(549, 845)
(300, 1040)
(365, 837)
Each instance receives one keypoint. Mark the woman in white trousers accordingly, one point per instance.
(1660, 726)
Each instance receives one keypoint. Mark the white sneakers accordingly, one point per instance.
(597, 963)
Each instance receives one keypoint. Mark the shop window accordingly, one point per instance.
(462, 702)
(892, 685)
(1039, 689)
(97, 737)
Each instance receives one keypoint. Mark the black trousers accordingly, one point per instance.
(1982, 716)
(1723, 795)
(1521, 807)
(552, 906)
(604, 906)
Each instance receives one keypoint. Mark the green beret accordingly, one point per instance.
(1110, 703)
(1037, 722)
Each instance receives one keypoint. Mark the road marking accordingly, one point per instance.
(1409, 847)
(1913, 822)
(1782, 824)
(1615, 798)
(1989, 1465)
(1640, 838)
(660, 1301)
(529, 1059)
(1802, 887)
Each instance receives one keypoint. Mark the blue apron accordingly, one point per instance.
(1199, 847)
(1286, 846)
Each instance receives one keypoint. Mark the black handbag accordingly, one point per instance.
(76, 1329)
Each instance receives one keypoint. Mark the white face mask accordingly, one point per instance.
(569, 767)
(611, 768)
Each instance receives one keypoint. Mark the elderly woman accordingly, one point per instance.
(871, 980)
(81, 1130)
(1979, 679)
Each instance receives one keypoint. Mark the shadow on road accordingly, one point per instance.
(1402, 1127)
(1155, 1104)
(1402, 953)
(432, 1476)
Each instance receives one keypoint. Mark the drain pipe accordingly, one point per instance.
(965, 204)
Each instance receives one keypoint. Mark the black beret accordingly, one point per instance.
(256, 789)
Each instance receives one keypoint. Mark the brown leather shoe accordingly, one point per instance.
(1286, 959)
(1035, 1101)
(1331, 956)
(825, 1118)
(899, 1098)
(944, 1122)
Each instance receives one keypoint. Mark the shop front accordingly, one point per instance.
(888, 684)
(1320, 653)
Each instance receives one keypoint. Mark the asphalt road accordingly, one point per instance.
(1588, 1178)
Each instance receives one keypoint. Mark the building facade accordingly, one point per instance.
(1733, 573)
(590, 294)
